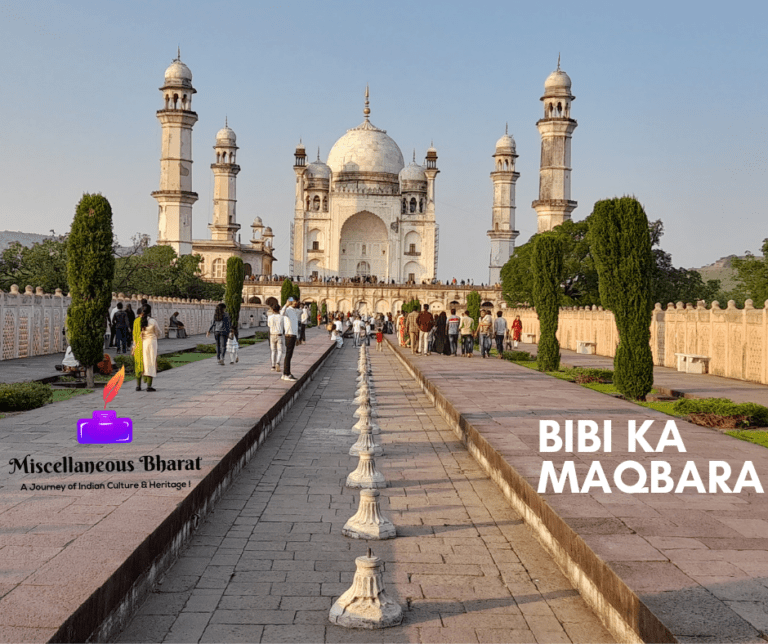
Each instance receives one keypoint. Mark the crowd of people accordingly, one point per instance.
(452, 334)
(360, 279)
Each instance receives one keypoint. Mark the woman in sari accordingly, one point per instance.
(517, 330)
(149, 332)
(138, 351)
(401, 329)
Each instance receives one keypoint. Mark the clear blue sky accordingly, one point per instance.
(670, 101)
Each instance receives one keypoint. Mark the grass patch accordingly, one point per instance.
(759, 437)
(180, 359)
(206, 348)
(65, 394)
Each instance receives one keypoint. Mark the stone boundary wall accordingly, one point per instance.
(31, 322)
(735, 339)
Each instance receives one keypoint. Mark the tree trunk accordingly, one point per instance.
(89, 377)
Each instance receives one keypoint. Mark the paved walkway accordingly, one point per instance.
(269, 562)
(684, 384)
(41, 367)
(65, 554)
(697, 561)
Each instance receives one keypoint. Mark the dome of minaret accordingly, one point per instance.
(178, 74)
(505, 145)
(226, 136)
(414, 172)
(558, 83)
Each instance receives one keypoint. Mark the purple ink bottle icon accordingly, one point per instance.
(105, 427)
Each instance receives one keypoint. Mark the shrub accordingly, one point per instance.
(722, 412)
(584, 375)
(206, 348)
(473, 306)
(312, 314)
(547, 269)
(163, 364)
(245, 342)
(125, 361)
(20, 396)
(261, 335)
(286, 291)
(620, 243)
(517, 356)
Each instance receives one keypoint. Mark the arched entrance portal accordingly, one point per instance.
(363, 247)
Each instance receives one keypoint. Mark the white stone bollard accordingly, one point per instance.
(369, 522)
(366, 604)
(367, 421)
(366, 443)
(366, 475)
(364, 408)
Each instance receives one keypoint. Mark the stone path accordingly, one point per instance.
(268, 563)
(686, 384)
(60, 547)
(694, 561)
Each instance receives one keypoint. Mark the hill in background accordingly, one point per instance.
(721, 270)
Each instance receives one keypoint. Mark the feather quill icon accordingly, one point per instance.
(113, 386)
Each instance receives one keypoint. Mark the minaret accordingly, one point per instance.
(224, 226)
(503, 233)
(175, 197)
(554, 204)
(296, 264)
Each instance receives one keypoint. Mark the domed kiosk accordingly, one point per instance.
(363, 214)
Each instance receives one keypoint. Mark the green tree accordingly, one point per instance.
(159, 272)
(473, 306)
(312, 314)
(43, 264)
(233, 296)
(286, 291)
(324, 310)
(547, 269)
(296, 292)
(752, 274)
(621, 246)
(412, 305)
(90, 271)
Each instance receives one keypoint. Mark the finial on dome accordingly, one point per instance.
(178, 53)
(414, 155)
(318, 152)
(226, 121)
(558, 61)
(366, 109)
(506, 128)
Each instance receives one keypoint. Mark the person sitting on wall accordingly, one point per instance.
(177, 324)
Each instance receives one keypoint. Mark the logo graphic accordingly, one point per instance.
(105, 427)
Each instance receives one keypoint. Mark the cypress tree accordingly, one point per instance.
(296, 292)
(547, 269)
(90, 271)
(621, 246)
(286, 290)
(233, 296)
(313, 314)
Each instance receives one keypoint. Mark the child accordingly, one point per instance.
(380, 340)
(336, 337)
(232, 347)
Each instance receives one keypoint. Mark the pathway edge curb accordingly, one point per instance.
(618, 607)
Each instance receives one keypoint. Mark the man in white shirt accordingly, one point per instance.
(276, 344)
(303, 321)
(499, 331)
(290, 329)
(358, 329)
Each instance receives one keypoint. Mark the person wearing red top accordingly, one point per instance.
(425, 322)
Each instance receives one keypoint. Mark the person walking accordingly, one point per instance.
(303, 321)
(276, 344)
(112, 328)
(452, 328)
(121, 328)
(291, 329)
(146, 366)
(517, 330)
(233, 346)
(499, 330)
(467, 338)
(412, 327)
(484, 333)
(380, 339)
(220, 327)
(426, 323)
(401, 329)
(441, 339)
(131, 317)
(357, 331)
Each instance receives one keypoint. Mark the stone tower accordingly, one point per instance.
(554, 204)
(175, 197)
(224, 226)
(503, 233)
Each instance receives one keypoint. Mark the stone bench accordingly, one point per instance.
(692, 363)
(586, 347)
(173, 332)
(528, 338)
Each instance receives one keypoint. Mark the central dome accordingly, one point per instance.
(366, 148)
